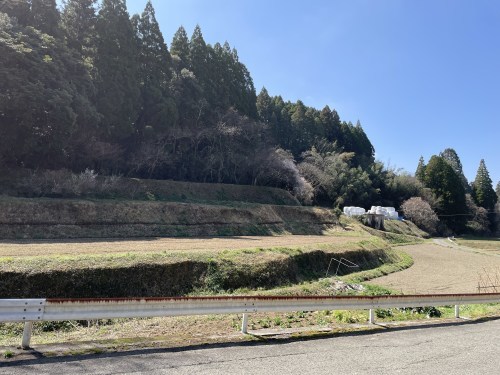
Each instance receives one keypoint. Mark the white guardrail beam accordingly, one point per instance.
(30, 310)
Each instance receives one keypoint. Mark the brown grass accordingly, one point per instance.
(21, 183)
(71, 218)
(488, 245)
(439, 269)
(105, 246)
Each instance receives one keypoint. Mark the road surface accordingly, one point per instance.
(468, 348)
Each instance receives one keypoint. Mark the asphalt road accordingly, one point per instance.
(468, 348)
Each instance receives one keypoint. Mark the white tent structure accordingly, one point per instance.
(388, 212)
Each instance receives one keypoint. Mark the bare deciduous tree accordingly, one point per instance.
(421, 214)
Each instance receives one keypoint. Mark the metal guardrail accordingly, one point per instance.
(31, 310)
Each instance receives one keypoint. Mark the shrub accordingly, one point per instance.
(82, 183)
(478, 224)
(65, 184)
(421, 214)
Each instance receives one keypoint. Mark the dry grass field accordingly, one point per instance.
(441, 269)
(487, 245)
(105, 246)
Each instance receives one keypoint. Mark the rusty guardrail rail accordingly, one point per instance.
(52, 309)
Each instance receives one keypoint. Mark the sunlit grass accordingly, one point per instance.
(489, 244)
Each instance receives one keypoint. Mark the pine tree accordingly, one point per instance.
(45, 16)
(158, 110)
(330, 120)
(364, 149)
(44, 100)
(420, 172)
(242, 89)
(447, 187)
(264, 106)
(198, 57)
(451, 157)
(155, 58)
(117, 69)
(219, 77)
(482, 188)
(79, 23)
(180, 46)
(18, 9)
(300, 127)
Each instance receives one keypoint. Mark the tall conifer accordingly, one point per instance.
(331, 122)
(158, 110)
(198, 57)
(79, 23)
(18, 9)
(45, 16)
(451, 157)
(180, 46)
(482, 188)
(447, 187)
(117, 67)
(264, 106)
(420, 172)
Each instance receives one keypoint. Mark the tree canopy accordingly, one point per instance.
(447, 186)
(482, 188)
(88, 86)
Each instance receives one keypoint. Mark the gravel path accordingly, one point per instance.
(443, 268)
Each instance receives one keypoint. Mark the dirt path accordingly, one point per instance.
(442, 269)
(66, 247)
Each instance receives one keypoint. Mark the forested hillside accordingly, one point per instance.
(93, 88)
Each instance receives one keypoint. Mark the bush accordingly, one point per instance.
(421, 214)
(429, 311)
(478, 224)
(65, 184)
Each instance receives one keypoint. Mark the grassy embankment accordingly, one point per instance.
(45, 218)
(289, 269)
(116, 334)
(162, 272)
(169, 273)
(26, 184)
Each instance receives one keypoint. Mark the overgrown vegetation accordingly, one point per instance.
(420, 213)
(107, 96)
(88, 184)
(178, 273)
(122, 334)
(460, 207)
(64, 218)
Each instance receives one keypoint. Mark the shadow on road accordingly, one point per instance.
(41, 358)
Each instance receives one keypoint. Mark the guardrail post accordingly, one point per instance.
(371, 318)
(457, 311)
(28, 329)
(244, 324)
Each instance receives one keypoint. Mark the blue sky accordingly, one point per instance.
(421, 76)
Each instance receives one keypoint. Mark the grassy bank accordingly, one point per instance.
(45, 218)
(112, 334)
(177, 273)
(64, 184)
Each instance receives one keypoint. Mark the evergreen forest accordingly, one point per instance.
(89, 87)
